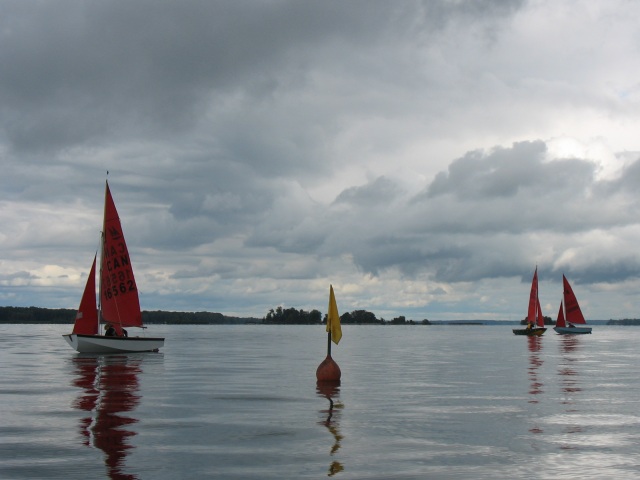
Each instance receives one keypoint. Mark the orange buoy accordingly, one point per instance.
(328, 371)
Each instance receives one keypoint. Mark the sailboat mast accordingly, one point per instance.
(102, 246)
(535, 317)
(539, 315)
(100, 282)
(537, 310)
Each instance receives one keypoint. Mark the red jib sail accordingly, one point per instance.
(573, 312)
(120, 305)
(560, 321)
(533, 299)
(87, 316)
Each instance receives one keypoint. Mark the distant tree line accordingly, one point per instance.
(624, 321)
(279, 315)
(193, 318)
(36, 315)
(65, 315)
(292, 316)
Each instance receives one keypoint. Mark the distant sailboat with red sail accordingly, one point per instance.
(535, 319)
(119, 305)
(566, 323)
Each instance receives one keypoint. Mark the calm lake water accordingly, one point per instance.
(241, 402)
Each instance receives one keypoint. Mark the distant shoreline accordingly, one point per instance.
(39, 315)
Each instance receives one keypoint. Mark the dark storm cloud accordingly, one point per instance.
(86, 72)
(81, 71)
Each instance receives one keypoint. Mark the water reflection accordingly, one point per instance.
(535, 362)
(569, 382)
(331, 391)
(109, 388)
(535, 384)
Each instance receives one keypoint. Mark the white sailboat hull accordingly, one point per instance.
(572, 330)
(100, 344)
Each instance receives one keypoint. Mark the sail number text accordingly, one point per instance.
(117, 278)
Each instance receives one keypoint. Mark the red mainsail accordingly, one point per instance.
(573, 312)
(533, 299)
(87, 316)
(119, 302)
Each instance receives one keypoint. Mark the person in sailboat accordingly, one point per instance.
(111, 332)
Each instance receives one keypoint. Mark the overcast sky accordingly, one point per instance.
(422, 157)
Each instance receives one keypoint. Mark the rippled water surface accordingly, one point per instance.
(241, 402)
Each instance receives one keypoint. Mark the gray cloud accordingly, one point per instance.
(421, 156)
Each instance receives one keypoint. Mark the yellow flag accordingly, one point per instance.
(333, 318)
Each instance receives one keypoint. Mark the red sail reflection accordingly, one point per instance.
(570, 384)
(535, 362)
(110, 385)
(331, 391)
(569, 380)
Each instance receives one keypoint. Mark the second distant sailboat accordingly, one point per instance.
(566, 322)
